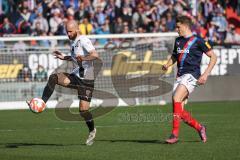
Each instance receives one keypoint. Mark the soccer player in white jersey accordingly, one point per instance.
(82, 77)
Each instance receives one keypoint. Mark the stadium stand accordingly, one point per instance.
(215, 20)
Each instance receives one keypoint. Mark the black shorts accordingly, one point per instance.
(84, 87)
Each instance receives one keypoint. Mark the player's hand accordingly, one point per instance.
(58, 55)
(164, 67)
(202, 79)
(79, 58)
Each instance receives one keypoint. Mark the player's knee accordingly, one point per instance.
(86, 115)
(177, 98)
(66, 81)
(84, 108)
(84, 105)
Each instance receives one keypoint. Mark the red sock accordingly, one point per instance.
(186, 116)
(177, 110)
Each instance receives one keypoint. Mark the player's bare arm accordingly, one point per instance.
(61, 56)
(213, 59)
(170, 62)
(91, 56)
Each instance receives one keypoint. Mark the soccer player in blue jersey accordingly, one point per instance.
(187, 52)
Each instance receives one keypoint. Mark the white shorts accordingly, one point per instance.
(187, 80)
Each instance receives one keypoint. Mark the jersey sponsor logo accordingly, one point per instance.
(179, 50)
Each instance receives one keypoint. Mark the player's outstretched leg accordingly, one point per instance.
(188, 119)
(87, 116)
(61, 79)
(49, 88)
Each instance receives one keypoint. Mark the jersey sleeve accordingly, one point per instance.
(87, 44)
(204, 45)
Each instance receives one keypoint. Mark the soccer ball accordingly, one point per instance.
(37, 105)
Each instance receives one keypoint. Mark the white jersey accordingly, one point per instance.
(82, 46)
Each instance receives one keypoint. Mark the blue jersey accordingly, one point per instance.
(188, 53)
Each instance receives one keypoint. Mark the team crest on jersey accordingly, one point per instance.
(178, 42)
(179, 50)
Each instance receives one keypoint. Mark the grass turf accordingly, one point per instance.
(125, 133)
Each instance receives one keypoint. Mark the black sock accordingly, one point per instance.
(49, 88)
(88, 119)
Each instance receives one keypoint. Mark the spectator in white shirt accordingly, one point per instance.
(42, 22)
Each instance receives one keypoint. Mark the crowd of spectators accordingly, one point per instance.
(47, 17)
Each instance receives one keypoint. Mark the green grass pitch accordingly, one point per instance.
(125, 133)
